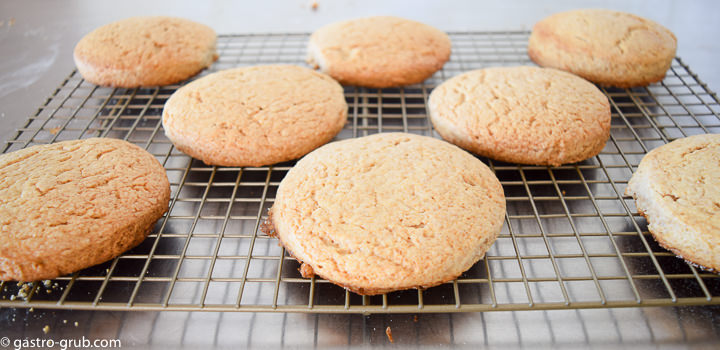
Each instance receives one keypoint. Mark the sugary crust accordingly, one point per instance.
(74, 204)
(677, 188)
(525, 115)
(255, 116)
(379, 51)
(388, 212)
(606, 47)
(145, 51)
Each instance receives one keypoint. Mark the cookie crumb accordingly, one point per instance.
(46, 329)
(306, 271)
(388, 332)
(76, 324)
(267, 226)
(22, 293)
(415, 318)
(11, 22)
(54, 130)
(314, 5)
(64, 321)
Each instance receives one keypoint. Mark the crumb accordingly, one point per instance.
(54, 130)
(388, 332)
(76, 324)
(563, 192)
(23, 292)
(64, 321)
(306, 271)
(32, 309)
(47, 283)
(267, 227)
(46, 329)
(11, 22)
(415, 319)
(12, 297)
(314, 5)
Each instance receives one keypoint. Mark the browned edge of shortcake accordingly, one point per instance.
(307, 271)
(684, 256)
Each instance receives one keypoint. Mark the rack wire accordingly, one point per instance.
(571, 239)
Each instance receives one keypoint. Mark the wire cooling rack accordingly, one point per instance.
(571, 239)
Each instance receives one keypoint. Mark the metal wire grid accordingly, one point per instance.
(571, 239)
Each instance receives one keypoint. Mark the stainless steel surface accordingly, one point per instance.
(636, 328)
(673, 327)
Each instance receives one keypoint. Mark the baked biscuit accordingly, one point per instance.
(606, 47)
(74, 204)
(378, 52)
(388, 212)
(677, 188)
(145, 51)
(255, 116)
(525, 115)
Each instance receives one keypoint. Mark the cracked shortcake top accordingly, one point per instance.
(145, 51)
(74, 204)
(378, 52)
(388, 212)
(677, 188)
(525, 115)
(255, 116)
(606, 47)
